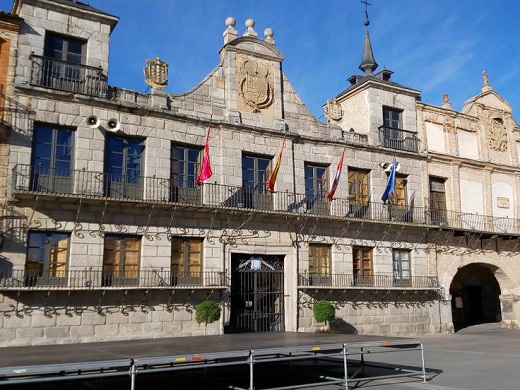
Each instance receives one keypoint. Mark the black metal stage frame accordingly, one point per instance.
(204, 352)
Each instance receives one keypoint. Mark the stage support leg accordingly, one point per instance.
(345, 368)
(132, 373)
(251, 362)
(423, 366)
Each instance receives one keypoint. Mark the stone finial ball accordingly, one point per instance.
(250, 23)
(230, 21)
(269, 32)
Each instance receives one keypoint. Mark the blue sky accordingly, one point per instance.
(436, 47)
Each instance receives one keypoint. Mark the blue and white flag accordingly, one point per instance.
(390, 185)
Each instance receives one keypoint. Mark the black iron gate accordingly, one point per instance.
(256, 294)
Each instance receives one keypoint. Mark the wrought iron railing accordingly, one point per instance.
(398, 139)
(41, 180)
(376, 281)
(15, 115)
(67, 76)
(99, 279)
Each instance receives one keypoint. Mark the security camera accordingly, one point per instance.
(113, 125)
(92, 121)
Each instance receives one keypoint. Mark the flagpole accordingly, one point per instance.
(205, 169)
(335, 182)
(272, 177)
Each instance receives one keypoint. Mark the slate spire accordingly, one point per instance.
(368, 62)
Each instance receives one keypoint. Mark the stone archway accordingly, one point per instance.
(475, 294)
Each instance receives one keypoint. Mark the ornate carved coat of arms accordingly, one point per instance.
(333, 110)
(156, 73)
(255, 87)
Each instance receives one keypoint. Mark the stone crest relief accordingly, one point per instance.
(497, 135)
(255, 85)
(156, 73)
(333, 110)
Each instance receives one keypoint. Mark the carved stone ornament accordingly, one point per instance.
(333, 110)
(254, 87)
(497, 135)
(156, 73)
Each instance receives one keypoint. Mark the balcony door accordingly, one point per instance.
(316, 189)
(51, 159)
(255, 177)
(438, 201)
(61, 67)
(47, 257)
(185, 167)
(392, 125)
(121, 260)
(358, 198)
(123, 158)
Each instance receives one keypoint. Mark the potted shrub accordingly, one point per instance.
(207, 312)
(324, 311)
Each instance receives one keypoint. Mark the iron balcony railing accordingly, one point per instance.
(101, 279)
(398, 139)
(14, 114)
(67, 76)
(377, 281)
(39, 180)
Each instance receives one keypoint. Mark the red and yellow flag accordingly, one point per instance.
(205, 169)
(274, 173)
(335, 182)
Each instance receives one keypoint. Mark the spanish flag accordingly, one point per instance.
(335, 182)
(274, 173)
(205, 169)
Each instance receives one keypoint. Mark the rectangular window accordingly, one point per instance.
(316, 188)
(391, 118)
(47, 257)
(123, 159)
(60, 47)
(362, 266)
(61, 68)
(186, 261)
(121, 260)
(185, 168)
(401, 267)
(51, 158)
(319, 261)
(255, 178)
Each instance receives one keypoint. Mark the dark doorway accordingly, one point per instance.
(475, 296)
(256, 294)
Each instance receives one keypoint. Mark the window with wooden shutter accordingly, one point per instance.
(186, 260)
(362, 264)
(399, 197)
(121, 260)
(319, 260)
(358, 187)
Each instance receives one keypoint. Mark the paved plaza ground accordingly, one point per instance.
(484, 357)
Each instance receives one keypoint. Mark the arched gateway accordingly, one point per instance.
(475, 294)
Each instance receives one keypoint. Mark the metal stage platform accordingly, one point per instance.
(72, 362)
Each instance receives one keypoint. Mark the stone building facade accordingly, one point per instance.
(107, 235)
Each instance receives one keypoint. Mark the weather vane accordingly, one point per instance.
(366, 7)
